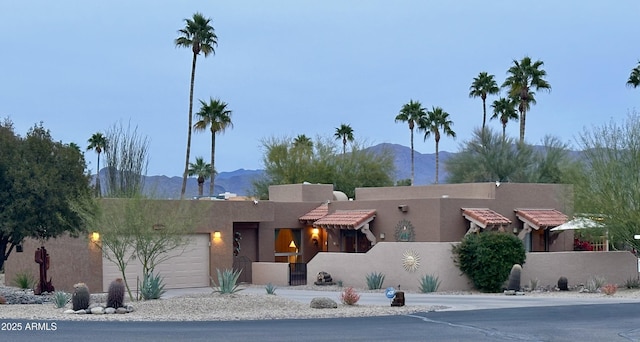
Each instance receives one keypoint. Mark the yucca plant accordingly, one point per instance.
(152, 286)
(271, 289)
(375, 280)
(227, 281)
(632, 283)
(61, 298)
(24, 280)
(429, 283)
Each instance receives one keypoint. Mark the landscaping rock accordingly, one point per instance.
(109, 310)
(323, 303)
(98, 310)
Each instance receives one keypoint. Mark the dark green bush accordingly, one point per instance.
(487, 258)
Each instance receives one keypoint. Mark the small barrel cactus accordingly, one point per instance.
(514, 278)
(563, 284)
(115, 296)
(81, 297)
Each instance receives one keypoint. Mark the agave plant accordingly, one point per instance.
(61, 298)
(152, 286)
(227, 281)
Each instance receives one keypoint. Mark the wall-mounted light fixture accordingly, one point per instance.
(515, 230)
(315, 231)
(95, 237)
(382, 236)
(403, 208)
(217, 234)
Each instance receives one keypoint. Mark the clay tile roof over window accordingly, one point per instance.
(542, 218)
(315, 214)
(350, 219)
(485, 217)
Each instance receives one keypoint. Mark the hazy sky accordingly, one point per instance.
(304, 67)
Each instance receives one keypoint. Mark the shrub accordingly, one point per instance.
(429, 283)
(115, 294)
(270, 288)
(563, 284)
(595, 283)
(533, 284)
(339, 282)
(375, 280)
(152, 286)
(632, 283)
(81, 297)
(60, 299)
(609, 289)
(487, 258)
(24, 280)
(227, 281)
(349, 296)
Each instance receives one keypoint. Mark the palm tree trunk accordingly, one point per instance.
(437, 161)
(344, 145)
(98, 190)
(213, 162)
(523, 114)
(186, 164)
(484, 113)
(504, 131)
(412, 157)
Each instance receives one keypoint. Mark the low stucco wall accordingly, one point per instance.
(276, 273)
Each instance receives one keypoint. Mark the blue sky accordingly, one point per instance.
(304, 67)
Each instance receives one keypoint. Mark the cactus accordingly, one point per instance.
(80, 298)
(514, 278)
(563, 284)
(115, 296)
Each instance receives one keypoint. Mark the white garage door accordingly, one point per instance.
(187, 269)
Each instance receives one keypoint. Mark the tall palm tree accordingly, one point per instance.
(435, 120)
(411, 112)
(524, 77)
(199, 35)
(201, 169)
(217, 118)
(344, 132)
(634, 78)
(303, 142)
(505, 110)
(483, 85)
(98, 143)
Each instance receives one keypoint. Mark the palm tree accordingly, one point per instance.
(200, 36)
(411, 112)
(435, 120)
(303, 142)
(217, 117)
(201, 169)
(344, 132)
(634, 78)
(524, 76)
(505, 110)
(482, 86)
(98, 143)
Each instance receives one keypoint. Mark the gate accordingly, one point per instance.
(243, 263)
(297, 273)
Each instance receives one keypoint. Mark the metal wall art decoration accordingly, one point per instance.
(405, 231)
(410, 260)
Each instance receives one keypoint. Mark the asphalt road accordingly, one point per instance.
(599, 322)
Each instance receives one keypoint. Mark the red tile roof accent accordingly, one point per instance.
(352, 219)
(542, 218)
(486, 216)
(315, 214)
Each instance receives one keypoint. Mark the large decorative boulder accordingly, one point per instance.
(323, 303)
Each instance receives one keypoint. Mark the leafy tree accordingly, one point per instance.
(199, 36)
(411, 113)
(504, 109)
(98, 143)
(483, 85)
(524, 77)
(217, 117)
(487, 258)
(127, 155)
(44, 190)
(403, 182)
(634, 77)
(201, 169)
(344, 132)
(435, 120)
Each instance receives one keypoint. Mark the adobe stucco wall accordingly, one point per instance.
(276, 273)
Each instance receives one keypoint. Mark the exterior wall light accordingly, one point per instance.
(217, 234)
(95, 237)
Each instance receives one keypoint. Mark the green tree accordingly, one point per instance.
(127, 156)
(524, 77)
(98, 143)
(411, 113)
(483, 85)
(504, 109)
(44, 190)
(345, 133)
(201, 169)
(634, 77)
(217, 117)
(435, 121)
(199, 36)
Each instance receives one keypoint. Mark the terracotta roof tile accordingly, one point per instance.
(315, 214)
(346, 219)
(542, 218)
(485, 216)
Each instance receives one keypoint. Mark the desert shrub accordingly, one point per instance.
(270, 288)
(533, 284)
(24, 280)
(429, 283)
(375, 280)
(595, 283)
(60, 299)
(632, 283)
(152, 286)
(227, 281)
(349, 296)
(609, 289)
(487, 258)
(339, 282)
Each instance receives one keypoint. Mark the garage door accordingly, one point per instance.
(188, 268)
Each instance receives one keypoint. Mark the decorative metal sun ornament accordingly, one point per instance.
(410, 260)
